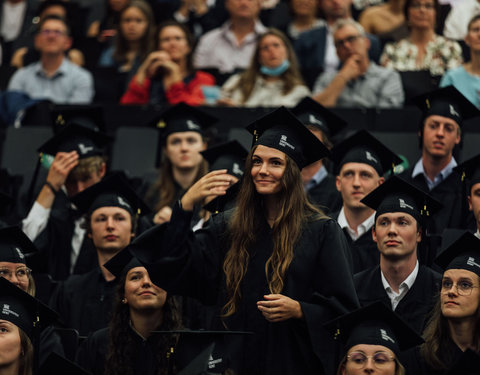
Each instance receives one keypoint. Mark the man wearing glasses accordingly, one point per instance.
(360, 83)
(54, 77)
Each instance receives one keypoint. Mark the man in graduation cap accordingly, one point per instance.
(399, 280)
(52, 223)
(111, 208)
(444, 112)
(318, 182)
(360, 163)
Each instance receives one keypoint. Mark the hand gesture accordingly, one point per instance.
(278, 308)
(352, 68)
(62, 165)
(163, 215)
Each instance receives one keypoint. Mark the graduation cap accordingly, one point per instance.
(224, 202)
(58, 365)
(230, 155)
(362, 147)
(397, 195)
(86, 142)
(183, 118)
(467, 364)
(470, 172)
(112, 191)
(463, 253)
(446, 102)
(14, 244)
(374, 324)
(121, 263)
(23, 310)
(89, 116)
(310, 112)
(281, 130)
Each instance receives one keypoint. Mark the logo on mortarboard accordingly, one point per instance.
(212, 363)
(236, 169)
(7, 311)
(370, 157)
(84, 149)
(314, 121)
(471, 262)
(283, 142)
(403, 204)
(191, 125)
(19, 252)
(452, 111)
(385, 336)
(122, 202)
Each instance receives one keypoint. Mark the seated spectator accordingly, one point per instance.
(272, 78)
(386, 19)
(466, 78)
(360, 82)
(458, 18)
(54, 77)
(134, 40)
(105, 28)
(167, 75)
(422, 49)
(232, 45)
(304, 17)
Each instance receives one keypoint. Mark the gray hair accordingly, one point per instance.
(341, 23)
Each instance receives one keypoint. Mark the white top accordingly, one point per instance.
(457, 20)
(477, 233)
(361, 229)
(405, 286)
(331, 58)
(12, 20)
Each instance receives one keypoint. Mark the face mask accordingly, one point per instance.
(278, 70)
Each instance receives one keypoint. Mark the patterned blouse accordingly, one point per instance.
(441, 54)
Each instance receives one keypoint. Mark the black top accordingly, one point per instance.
(325, 195)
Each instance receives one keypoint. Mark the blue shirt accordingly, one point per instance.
(466, 83)
(70, 84)
(444, 173)
(317, 178)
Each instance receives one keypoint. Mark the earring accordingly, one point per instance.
(124, 300)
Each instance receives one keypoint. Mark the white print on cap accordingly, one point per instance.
(192, 125)
(122, 202)
(84, 149)
(283, 142)
(313, 120)
(236, 169)
(6, 311)
(385, 336)
(403, 204)
(370, 157)
(471, 262)
(20, 254)
(453, 112)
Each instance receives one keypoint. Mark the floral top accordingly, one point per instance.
(441, 54)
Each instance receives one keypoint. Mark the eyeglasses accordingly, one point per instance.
(349, 39)
(427, 6)
(21, 273)
(464, 288)
(381, 360)
(172, 38)
(48, 32)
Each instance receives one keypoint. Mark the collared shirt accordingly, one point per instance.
(405, 286)
(70, 84)
(379, 87)
(219, 49)
(317, 178)
(444, 173)
(477, 233)
(361, 229)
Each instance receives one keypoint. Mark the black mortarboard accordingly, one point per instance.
(224, 202)
(470, 172)
(310, 112)
(374, 324)
(112, 191)
(121, 263)
(397, 195)
(183, 118)
(467, 364)
(281, 130)
(446, 102)
(230, 155)
(89, 116)
(58, 365)
(23, 310)
(463, 253)
(14, 244)
(362, 147)
(73, 137)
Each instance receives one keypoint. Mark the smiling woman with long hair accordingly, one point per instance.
(275, 265)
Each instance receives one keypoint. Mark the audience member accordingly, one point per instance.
(386, 20)
(52, 223)
(167, 75)
(105, 28)
(360, 82)
(422, 49)
(271, 80)
(399, 281)
(14, 21)
(304, 17)
(111, 208)
(232, 45)
(360, 163)
(466, 78)
(457, 20)
(54, 77)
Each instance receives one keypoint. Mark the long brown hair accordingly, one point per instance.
(437, 334)
(26, 358)
(291, 77)
(295, 209)
(188, 37)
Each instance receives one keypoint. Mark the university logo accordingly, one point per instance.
(122, 202)
(191, 125)
(452, 111)
(283, 142)
(19, 252)
(403, 204)
(236, 169)
(313, 120)
(369, 156)
(84, 149)
(7, 311)
(471, 262)
(385, 336)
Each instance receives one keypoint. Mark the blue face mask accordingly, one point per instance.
(278, 70)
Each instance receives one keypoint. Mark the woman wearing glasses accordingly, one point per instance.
(454, 325)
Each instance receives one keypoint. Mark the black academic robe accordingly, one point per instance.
(325, 195)
(319, 278)
(414, 307)
(84, 302)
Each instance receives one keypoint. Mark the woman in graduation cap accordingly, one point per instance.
(274, 265)
(454, 325)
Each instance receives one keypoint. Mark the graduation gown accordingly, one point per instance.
(84, 302)
(319, 278)
(417, 303)
(325, 195)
